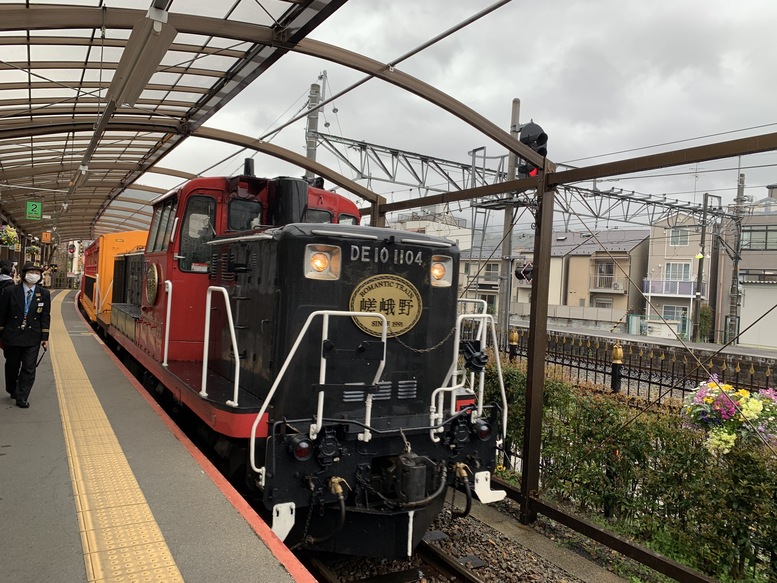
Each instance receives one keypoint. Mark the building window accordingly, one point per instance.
(491, 271)
(759, 238)
(605, 274)
(678, 271)
(675, 312)
(490, 303)
(678, 237)
(601, 303)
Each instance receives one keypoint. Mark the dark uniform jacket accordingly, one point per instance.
(36, 329)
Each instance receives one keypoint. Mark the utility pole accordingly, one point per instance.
(733, 310)
(700, 272)
(506, 270)
(312, 126)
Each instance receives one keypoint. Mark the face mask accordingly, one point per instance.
(32, 278)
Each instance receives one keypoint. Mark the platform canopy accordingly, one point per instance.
(94, 93)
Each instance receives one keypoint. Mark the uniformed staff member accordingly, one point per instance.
(25, 314)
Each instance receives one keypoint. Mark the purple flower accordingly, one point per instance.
(700, 395)
(725, 407)
(770, 394)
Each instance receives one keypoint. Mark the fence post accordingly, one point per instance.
(512, 340)
(617, 367)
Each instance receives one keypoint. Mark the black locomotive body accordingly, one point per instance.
(344, 337)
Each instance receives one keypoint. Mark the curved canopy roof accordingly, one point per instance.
(128, 83)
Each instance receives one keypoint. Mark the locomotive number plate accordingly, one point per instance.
(394, 297)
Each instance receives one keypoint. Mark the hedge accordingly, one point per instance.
(643, 471)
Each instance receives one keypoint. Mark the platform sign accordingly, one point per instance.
(34, 209)
(45, 237)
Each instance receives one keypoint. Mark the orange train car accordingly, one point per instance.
(97, 279)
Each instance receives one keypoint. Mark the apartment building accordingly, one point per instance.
(672, 279)
(594, 278)
(757, 274)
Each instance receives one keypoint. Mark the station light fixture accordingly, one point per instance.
(147, 45)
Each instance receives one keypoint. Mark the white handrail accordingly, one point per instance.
(96, 293)
(102, 300)
(364, 436)
(484, 310)
(488, 320)
(169, 292)
(206, 339)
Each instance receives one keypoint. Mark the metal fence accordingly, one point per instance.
(653, 372)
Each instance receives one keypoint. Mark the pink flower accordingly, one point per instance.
(725, 407)
(770, 394)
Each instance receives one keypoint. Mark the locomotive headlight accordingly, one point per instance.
(441, 271)
(319, 261)
(322, 262)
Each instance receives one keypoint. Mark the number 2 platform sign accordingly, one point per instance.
(34, 209)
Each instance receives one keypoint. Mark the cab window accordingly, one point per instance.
(244, 215)
(197, 230)
(162, 225)
(317, 216)
(347, 220)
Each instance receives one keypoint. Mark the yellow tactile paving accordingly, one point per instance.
(122, 542)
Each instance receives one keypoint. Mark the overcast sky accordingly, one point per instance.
(600, 76)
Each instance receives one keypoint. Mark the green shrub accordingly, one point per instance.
(643, 470)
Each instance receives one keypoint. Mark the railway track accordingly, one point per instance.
(430, 564)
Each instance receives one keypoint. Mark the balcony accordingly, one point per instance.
(608, 284)
(674, 288)
(487, 281)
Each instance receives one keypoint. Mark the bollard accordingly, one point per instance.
(512, 340)
(617, 368)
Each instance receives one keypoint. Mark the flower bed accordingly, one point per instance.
(731, 416)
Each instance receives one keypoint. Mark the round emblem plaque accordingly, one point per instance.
(394, 297)
(152, 283)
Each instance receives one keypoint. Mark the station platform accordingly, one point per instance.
(97, 484)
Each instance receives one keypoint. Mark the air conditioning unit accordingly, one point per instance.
(617, 286)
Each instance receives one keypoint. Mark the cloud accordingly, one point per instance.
(600, 76)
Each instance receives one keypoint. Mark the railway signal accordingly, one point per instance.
(524, 272)
(533, 136)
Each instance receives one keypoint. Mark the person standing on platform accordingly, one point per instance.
(46, 282)
(25, 315)
(6, 274)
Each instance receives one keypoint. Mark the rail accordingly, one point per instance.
(315, 427)
(206, 339)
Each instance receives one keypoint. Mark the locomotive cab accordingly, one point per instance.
(168, 324)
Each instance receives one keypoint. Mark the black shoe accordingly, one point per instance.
(22, 404)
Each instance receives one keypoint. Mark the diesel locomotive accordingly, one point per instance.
(325, 360)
